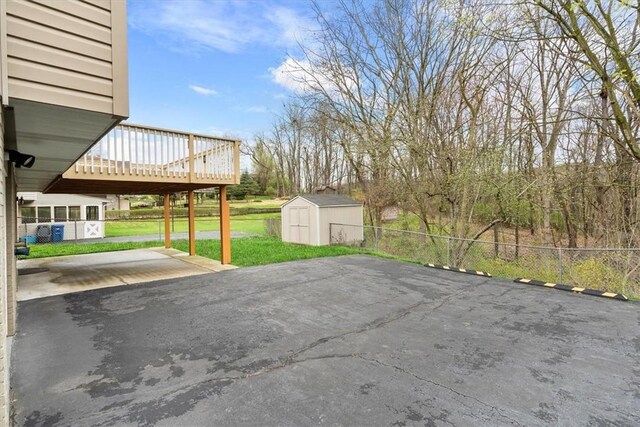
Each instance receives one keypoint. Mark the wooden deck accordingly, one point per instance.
(133, 159)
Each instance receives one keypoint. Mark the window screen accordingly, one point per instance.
(44, 213)
(60, 213)
(74, 213)
(28, 215)
(92, 213)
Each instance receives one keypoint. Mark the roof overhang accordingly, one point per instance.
(57, 136)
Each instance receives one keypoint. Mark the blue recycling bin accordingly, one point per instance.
(57, 233)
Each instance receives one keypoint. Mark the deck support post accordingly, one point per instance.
(167, 222)
(192, 225)
(225, 227)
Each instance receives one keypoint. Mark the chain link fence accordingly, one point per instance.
(273, 227)
(615, 270)
(33, 230)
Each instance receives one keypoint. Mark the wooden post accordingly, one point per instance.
(225, 227)
(167, 222)
(192, 225)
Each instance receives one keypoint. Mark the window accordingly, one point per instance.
(92, 213)
(28, 215)
(74, 213)
(44, 213)
(60, 213)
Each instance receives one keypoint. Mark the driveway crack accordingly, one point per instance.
(452, 390)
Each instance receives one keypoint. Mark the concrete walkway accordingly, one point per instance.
(42, 277)
(355, 341)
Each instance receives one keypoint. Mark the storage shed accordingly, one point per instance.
(306, 219)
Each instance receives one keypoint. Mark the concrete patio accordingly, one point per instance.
(336, 341)
(42, 277)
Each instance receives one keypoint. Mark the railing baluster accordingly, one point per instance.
(115, 149)
(162, 154)
(145, 144)
(123, 165)
(130, 151)
(136, 152)
(108, 156)
(157, 144)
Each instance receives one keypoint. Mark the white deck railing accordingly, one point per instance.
(138, 153)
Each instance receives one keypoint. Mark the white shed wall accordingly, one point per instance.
(349, 215)
(293, 225)
(315, 229)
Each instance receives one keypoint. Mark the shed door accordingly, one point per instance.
(300, 224)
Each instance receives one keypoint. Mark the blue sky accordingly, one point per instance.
(212, 66)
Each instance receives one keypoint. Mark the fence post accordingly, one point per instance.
(75, 231)
(160, 230)
(448, 250)
(559, 265)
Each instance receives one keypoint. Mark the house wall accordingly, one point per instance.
(289, 233)
(350, 215)
(4, 357)
(83, 66)
(63, 200)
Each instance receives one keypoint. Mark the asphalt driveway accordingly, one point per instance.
(336, 341)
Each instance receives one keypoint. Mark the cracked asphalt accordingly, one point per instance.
(350, 340)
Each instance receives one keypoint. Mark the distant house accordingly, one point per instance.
(82, 216)
(325, 189)
(322, 219)
(390, 213)
(117, 203)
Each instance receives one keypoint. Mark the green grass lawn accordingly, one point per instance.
(44, 250)
(263, 250)
(251, 223)
(245, 252)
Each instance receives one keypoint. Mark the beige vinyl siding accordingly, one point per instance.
(102, 4)
(83, 10)
(70, 53)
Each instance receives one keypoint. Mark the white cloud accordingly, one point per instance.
(203, 90)
(257, 109)
(300, 76)
(293, 28)
(223, 25)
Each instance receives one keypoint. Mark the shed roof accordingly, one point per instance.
(327, 200)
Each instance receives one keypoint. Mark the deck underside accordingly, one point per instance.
(93, 186)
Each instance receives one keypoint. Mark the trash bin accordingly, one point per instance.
(57, 233)
(43, 233)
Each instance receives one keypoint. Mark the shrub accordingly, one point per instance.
(596, 274)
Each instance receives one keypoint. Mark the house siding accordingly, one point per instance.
(68, 53)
